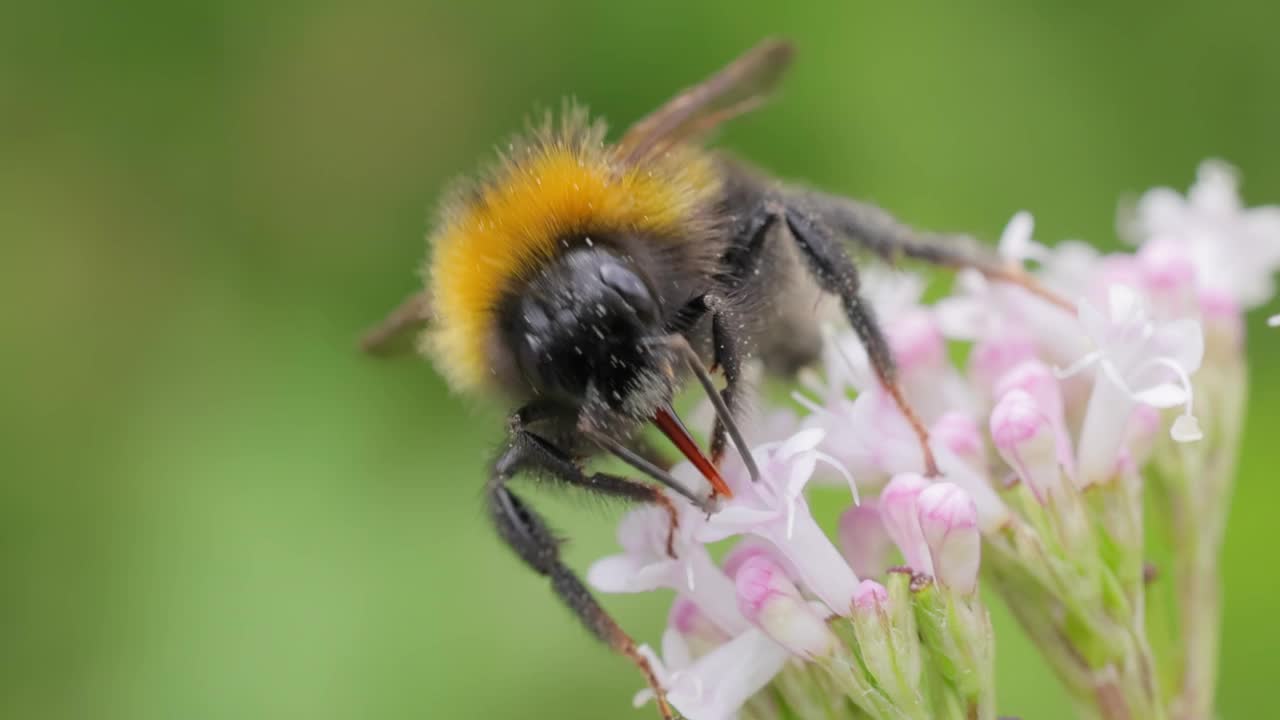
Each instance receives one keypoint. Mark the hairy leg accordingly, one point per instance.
(879, 231)
(533, 541)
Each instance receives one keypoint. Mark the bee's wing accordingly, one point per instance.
(737, 88)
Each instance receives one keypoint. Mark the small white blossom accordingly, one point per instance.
(646, 564)
(716, 685)
(1233, 248)
(775, 509)
(1140, 361)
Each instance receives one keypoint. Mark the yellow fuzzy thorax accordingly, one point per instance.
(562, 184)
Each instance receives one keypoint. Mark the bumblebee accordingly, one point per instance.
(587, 282)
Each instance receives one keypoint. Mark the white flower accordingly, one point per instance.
(868, 436)
(645, 565)
(716, 685)
(981, 310)
(1016, 244)
(1140, 362)
(775, 509)
(1274, 321)
(1233, 248)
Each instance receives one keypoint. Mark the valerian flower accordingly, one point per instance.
(1045, 439)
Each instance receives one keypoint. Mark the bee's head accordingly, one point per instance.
(587, 332)
(590, 332)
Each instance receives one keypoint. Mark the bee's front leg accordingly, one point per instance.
(533, 541)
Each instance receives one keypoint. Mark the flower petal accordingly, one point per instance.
(620, 574)
(1164, 395)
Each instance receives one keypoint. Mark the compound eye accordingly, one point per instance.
(632, 290)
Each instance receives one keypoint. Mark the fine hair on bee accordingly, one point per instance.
(585, 283)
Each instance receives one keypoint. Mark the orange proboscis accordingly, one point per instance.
(671, 426)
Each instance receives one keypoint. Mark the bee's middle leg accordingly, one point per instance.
(835, 272)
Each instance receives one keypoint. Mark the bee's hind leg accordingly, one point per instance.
(880, 232)
(525, 531)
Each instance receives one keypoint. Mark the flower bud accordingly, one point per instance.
(959, 434)
(998, 353)
(949, 520)
(770, 601)
(902, 521)
(1025, 439)
(1169, 276)
(960, 451)
(871, 597)
(747, 548)
(1037, 380)
(699, 632)
(863, 540)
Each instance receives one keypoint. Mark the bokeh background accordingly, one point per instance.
(212, 507)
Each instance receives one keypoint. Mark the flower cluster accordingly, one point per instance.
(1059, 438)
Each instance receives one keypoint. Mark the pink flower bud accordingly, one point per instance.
(699, 631)
(863, 540)
(769, 600)
(959, 434)
(747, 548)
(997, 353)
(870, 597)
(949, 520)
(1025, 439)
(916, 341)
(902, 521)
(1037, 380)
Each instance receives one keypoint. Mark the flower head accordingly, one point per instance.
(1042, 483)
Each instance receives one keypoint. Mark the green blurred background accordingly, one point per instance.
(212, 507)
